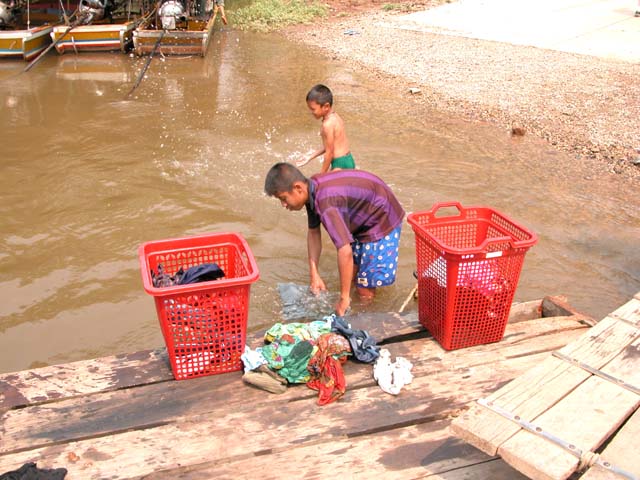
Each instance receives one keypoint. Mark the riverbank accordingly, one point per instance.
(586, 106)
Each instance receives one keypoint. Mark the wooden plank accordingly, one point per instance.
(46, 384)
(140, 407)
(555, 306)
(19, 389)
(586, 417)
(251, 429)
(602, 342)
(417, 451)
(523, 311)
(494, 470)
(542, 387)
(41, 385)
(630, 311)
(539, 458)
(600, 473)
(622, 452)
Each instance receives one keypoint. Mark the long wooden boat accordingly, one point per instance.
(27, 26)
(191, 37)
(24, 43)
(103, 37)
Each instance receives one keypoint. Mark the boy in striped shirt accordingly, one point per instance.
(362, 217)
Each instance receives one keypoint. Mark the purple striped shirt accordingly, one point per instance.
(352, 205)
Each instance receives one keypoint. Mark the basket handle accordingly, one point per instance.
(440, 205)
(490, 241)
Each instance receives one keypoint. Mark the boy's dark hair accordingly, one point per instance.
(320, 94)
(281, 178)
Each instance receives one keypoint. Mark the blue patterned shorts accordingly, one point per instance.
(377, 262)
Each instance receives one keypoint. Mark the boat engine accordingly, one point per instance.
(8, 14)
(171, 12)
(91, 10)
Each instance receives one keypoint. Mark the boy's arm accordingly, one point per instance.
(328, 139)
(314, 249)
(345, 268)
(315, 154)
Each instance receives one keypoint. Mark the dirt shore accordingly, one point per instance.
(586, 106)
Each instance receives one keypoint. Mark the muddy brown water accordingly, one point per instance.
(87, 177)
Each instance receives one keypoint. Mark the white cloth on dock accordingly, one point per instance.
(252, 359)
(392, 376)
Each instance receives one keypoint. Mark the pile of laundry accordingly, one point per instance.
(200, 273)
(313, 353)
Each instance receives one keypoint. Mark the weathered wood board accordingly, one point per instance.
(145, 425)
(46, 384)
(41, 385)
(425, 450)
(245, 428)
(564, 401)
(160, 403)
(621, 452)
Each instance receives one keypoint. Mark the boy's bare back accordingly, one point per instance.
(334, 136)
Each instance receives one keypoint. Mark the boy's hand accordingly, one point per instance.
(342, 306)
(317, 285)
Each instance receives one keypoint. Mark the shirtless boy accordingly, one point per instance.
(334, 139)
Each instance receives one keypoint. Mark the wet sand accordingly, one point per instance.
(583, 105)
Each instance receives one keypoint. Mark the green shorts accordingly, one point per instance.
(346, 161)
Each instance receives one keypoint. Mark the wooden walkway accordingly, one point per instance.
(124, 417)
(564, 417)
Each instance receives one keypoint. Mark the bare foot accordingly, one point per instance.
(224, 19)
(366, 294)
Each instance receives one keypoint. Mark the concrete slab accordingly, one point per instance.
(602, 28)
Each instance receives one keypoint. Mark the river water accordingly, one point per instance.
(88, 176)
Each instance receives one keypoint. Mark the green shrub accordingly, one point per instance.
(267, 15)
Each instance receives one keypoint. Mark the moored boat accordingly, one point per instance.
(24, 43)
(99, 25)
(25, 27)
(175, 29)
(94, 38)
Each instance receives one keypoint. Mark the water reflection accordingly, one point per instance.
(89, 176)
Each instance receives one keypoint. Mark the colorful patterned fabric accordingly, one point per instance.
(291, 346)
(325, 367)
(377, 262)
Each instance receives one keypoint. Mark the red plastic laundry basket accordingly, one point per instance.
(468, 270)
(204, 324)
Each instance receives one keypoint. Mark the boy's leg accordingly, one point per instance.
(220, 6)
(359, 271)
(366, 293)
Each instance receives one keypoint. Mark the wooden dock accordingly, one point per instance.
(124, 417)
(574, 414)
